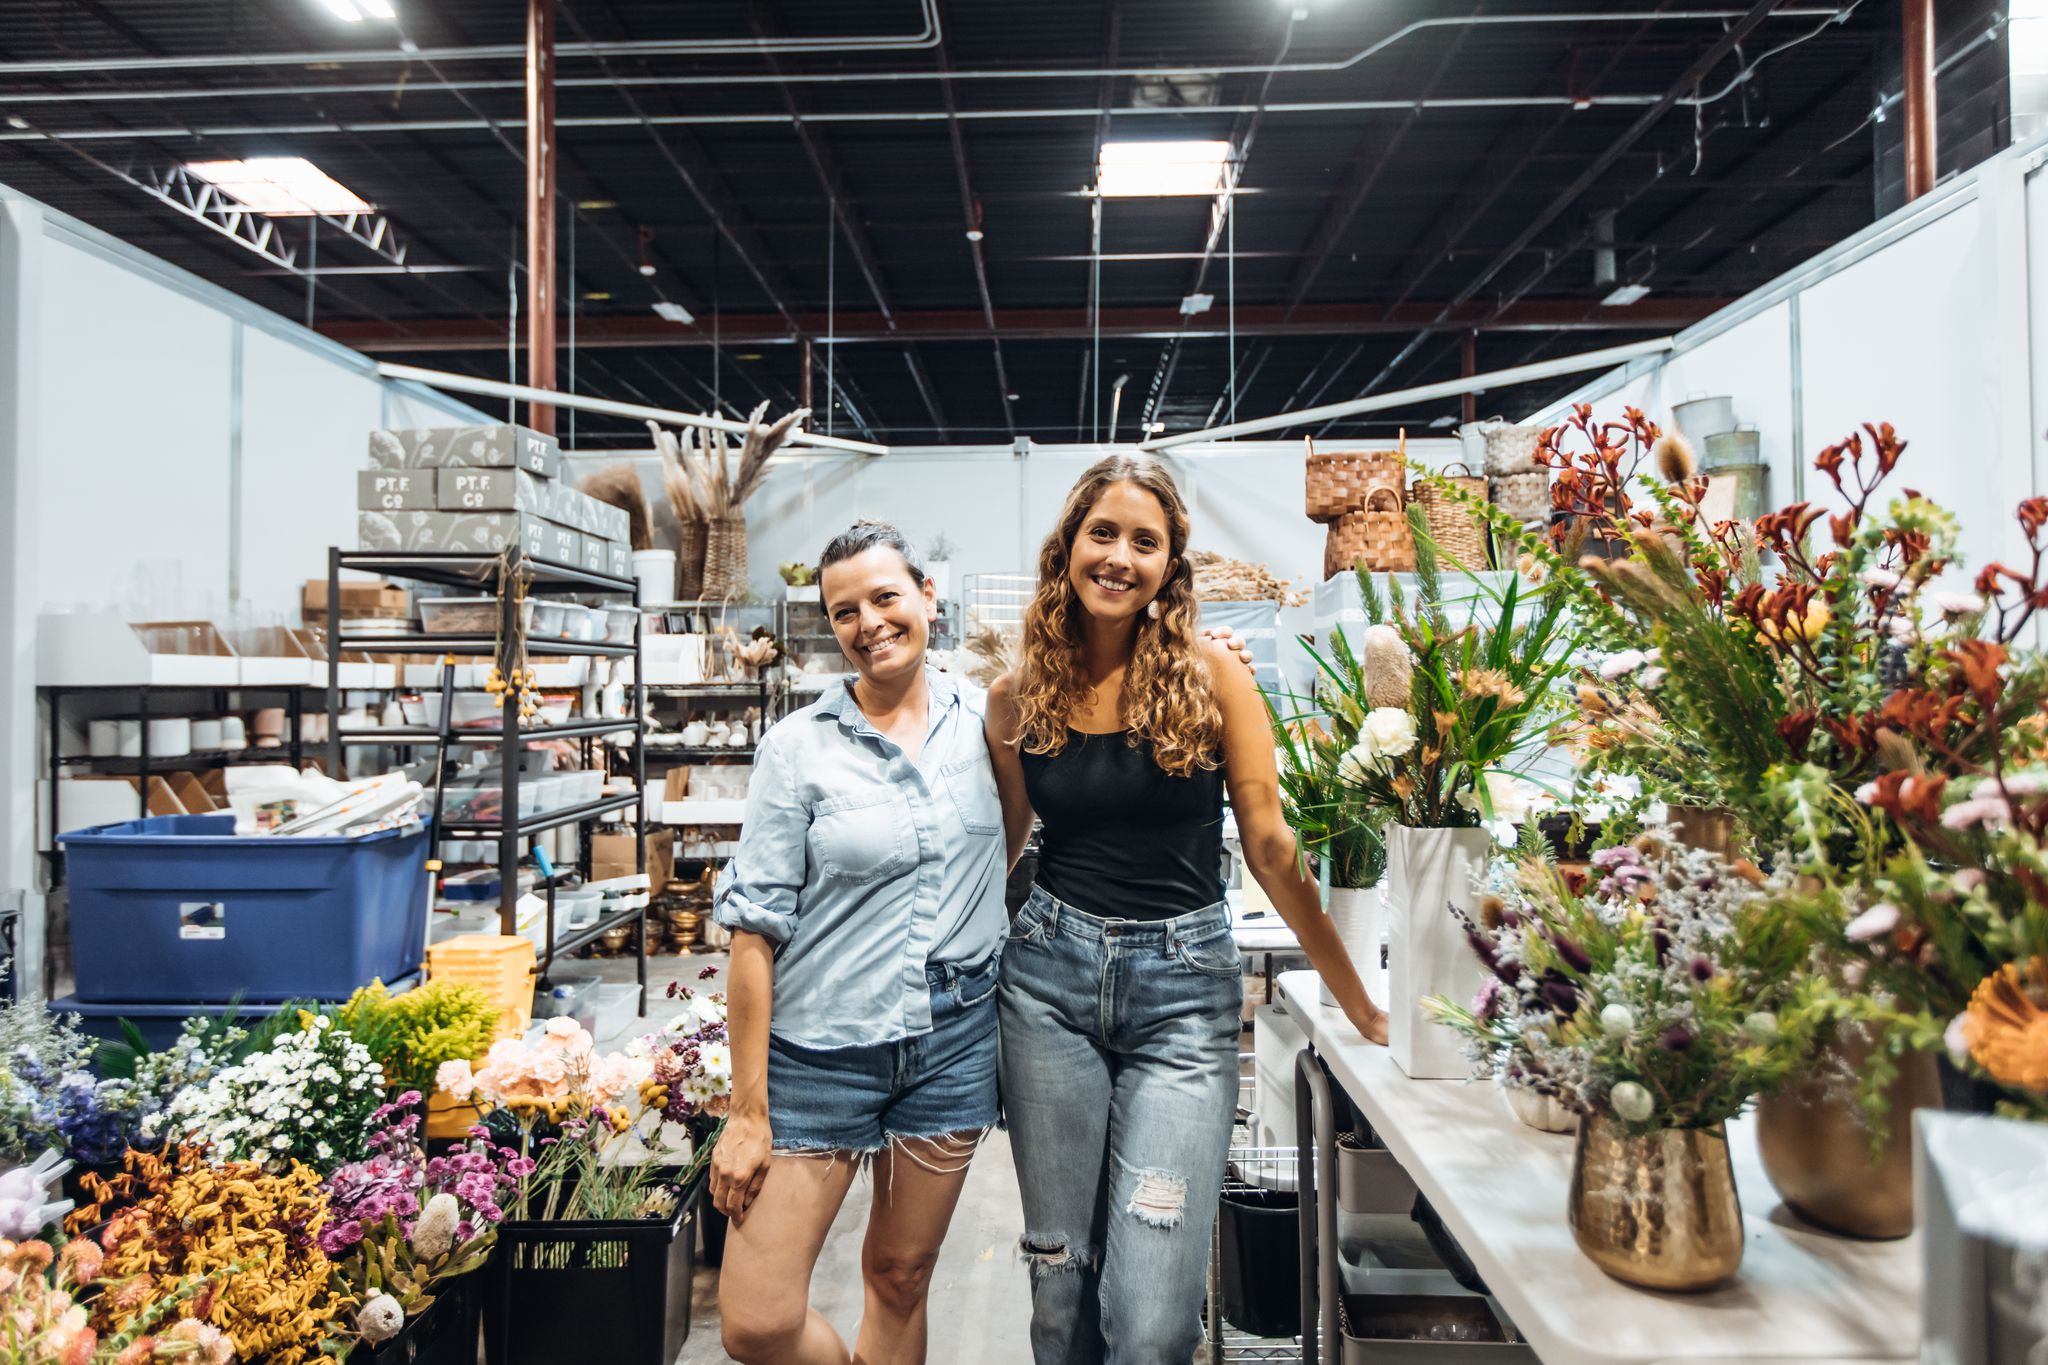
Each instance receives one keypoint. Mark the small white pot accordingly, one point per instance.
(1360, 916)
(1540, 1112)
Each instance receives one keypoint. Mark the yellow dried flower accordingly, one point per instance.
(2006, 1025)
(1477, 683)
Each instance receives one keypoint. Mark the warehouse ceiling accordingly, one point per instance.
(906, 185)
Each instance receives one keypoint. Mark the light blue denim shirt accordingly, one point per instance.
(863, 867)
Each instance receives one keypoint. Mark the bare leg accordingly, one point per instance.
(917, 1183)
(764, 1289)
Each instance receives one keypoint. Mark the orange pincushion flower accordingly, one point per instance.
(2006, 1025)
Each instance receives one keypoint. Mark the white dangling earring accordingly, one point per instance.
(1152, 609)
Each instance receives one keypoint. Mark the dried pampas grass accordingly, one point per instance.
(996, 652)
(619, 485)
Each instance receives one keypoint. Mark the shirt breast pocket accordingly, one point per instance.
(865, 837)
(971, 786)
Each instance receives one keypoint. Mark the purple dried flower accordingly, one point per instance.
(707, 973)
(1702, 969)
(1677, 1038)
(1574, 956)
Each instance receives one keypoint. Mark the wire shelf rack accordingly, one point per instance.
(1250, 1167)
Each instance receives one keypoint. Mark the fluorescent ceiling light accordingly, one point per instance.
(1196, 303)
(1141, 169)
(377, 9)
(1438, 424)
(280, 186)
(673, 312)
(1626, 295)
(354, 11)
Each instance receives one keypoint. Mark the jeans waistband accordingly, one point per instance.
(945, 975)
(1192, 927)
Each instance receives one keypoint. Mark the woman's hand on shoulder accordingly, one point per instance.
(1000, 718)
(1221, 643)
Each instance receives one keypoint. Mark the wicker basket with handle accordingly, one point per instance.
(690, 561)
(1512, 450)
(725, 557)
(1460, 534)
(1376, 537)
(1525, 496)
(1339, 481)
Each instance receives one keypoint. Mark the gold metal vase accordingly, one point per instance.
(1816, 1147)
(1660, 1210)
(1703, 827)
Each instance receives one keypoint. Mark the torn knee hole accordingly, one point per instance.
(1045, 1254)
(1160, 1199)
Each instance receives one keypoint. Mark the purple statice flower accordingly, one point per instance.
(1624, 867)
(338, 1236)
(1491, 1001)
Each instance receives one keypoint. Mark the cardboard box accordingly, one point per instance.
(620, 557)
(611, 855)
(561, 545)
(605, 521)
(471, 532)
(358, 598)
(568, 506)
(394, 490)
(595, 557)
(494, 490)
(500, 446)
(675, 784)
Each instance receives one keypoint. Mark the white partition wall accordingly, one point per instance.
(167, 448)
(1934, 319)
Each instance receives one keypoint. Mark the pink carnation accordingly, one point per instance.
(455, 1078)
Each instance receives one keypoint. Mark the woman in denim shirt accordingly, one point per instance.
(866, 904)
(1122, 990)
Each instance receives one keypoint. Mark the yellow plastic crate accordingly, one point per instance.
(502, 966)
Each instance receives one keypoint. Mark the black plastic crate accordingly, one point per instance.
(443, 1335)
(619, 1291)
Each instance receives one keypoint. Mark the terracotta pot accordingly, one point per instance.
(1660, 1210)
(1815, 1144)
(1540, 1112)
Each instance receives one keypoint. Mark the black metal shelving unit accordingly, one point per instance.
(490, 574)
(145, 764)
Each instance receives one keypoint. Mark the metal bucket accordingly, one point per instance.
(1701, 418)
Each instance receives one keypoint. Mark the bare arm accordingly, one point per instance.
(1002, 732)
(740, 1162)
(1270, 845)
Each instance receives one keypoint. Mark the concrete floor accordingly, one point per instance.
(980, 1293)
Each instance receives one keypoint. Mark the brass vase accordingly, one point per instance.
(1816, 1147)
(1659, 1211)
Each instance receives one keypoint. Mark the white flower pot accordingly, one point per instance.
(1540, 1112)
(1429, 871)
(1360, 916)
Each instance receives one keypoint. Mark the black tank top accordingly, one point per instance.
(1123, 839)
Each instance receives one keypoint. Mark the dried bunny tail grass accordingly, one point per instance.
(1389, 669)
(1672, 454)
(619, 485)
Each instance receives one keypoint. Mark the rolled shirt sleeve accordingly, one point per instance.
(760, 888)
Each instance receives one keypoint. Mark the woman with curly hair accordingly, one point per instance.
(1122, 990)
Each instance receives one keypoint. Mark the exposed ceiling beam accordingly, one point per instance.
(971, 324)
(1105, 98)
(1587, 178)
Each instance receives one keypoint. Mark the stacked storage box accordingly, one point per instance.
(480, 489)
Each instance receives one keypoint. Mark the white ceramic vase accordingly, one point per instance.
(1429, 871)
(1540, 1112)
(1360, 916)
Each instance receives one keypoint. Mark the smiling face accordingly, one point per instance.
(1121, 553)
(880, 615)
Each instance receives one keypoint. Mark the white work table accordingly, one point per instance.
(1501, 1188)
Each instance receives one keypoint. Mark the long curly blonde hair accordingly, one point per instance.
(1167, 698)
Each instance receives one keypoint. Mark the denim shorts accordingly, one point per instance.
(857, 1099)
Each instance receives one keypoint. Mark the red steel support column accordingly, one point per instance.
(540, 205)
(1920, 140)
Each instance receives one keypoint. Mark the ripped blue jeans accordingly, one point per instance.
(1119, 1068)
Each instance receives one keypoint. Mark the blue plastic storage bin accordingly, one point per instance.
(160, 1024)
(178, 908)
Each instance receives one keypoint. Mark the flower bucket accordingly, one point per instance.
(566, 1290)
(1359, 914)
(443, 1335)
(1259, 1260)
(1429, 871)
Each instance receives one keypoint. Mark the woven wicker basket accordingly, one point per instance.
(1339, 481)
(1377, 537)
(1461, 535)
(1511, 450)
(690, 562)
(1524, 496)
(725, 558)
